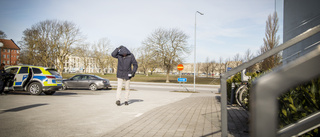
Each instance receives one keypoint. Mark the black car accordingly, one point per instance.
(86, 81)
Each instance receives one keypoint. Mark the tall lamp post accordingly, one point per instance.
(195, 43)
(1, 45)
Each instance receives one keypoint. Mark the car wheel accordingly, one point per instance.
(64, 87)
(93, 87)
(49, 92)
(35, 88)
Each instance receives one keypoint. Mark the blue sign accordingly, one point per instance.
(182, 79)
(228, 69)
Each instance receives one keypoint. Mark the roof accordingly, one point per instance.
(29, 66)
(9, 44)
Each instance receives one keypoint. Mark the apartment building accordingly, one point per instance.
(9, 53)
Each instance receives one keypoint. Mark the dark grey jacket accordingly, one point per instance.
(125, 62)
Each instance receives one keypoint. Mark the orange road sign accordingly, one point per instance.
(180, 67)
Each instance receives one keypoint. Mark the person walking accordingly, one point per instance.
(2, 79)
(125, 71)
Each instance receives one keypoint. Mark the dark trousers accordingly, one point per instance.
(2, 85)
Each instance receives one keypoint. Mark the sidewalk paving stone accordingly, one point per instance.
(195, 116)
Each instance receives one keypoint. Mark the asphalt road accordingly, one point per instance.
(82, 112)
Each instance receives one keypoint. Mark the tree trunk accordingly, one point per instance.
(147, 74)
(168, 71)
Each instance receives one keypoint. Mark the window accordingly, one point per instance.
(8, 56)
(53, 72)
(85, 77)
(12, 70)
(4, 56)
(36, 71)
(91, 77)
(76, 78)
(23, 70)
(8, 62)
(8, 50)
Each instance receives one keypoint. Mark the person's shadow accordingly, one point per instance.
(131, 101)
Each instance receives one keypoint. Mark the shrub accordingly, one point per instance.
(298, 103)
(236, 80)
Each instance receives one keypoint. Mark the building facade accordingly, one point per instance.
(9, 52)
(75, 64)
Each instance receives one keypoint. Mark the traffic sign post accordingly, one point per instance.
(180, 68)
(182, 79)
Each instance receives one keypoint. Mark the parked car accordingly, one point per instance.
(86, 81)
(34, 79)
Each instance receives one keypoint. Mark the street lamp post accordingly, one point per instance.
(1, 45)
(195, 43)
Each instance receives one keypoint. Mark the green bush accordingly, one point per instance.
(295, 104)
(236, 80)
(298, 103)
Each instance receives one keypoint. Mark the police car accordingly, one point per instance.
(33, 79)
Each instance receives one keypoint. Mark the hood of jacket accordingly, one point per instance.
(124, 52)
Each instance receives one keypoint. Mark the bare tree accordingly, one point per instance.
(49, 43)
(84, 53)
(37, 43)
(247, 57)
(206, 66)
(221, 65)
(146, 60)
(270, 41)
(2, 35)
(101, 53)
(213, 66)
(168, 46)
(237, 59)
(68, 35)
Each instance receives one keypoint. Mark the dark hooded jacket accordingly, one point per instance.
(125, 62)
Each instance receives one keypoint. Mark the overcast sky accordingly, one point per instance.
(227, 27)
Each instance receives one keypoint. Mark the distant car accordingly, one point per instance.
(72, 71)
(34, 79)
(86, 81)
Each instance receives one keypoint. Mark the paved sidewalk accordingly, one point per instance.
(195, 116)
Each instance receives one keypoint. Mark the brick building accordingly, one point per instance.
(9, 52)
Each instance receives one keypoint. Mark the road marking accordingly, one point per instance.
(138, 115)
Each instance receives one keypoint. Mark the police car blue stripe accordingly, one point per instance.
(40, 77)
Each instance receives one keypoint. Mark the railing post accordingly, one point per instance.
(224, 113)
(265, 90)
(225, 76)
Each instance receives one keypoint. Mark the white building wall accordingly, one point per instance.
(75, 64)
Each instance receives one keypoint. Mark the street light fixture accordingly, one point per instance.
(195, 42)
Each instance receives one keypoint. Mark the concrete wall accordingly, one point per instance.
(299, 16)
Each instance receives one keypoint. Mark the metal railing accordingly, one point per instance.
(256, 125)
